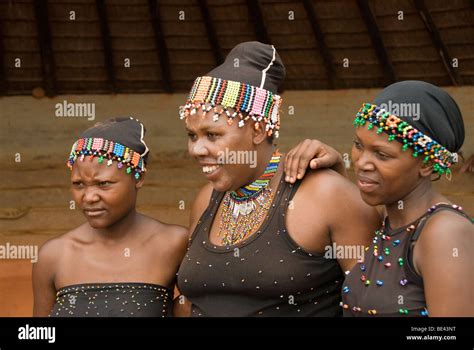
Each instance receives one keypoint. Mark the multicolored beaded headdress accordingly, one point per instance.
(235, 99)
(403, 132)
(106, 149)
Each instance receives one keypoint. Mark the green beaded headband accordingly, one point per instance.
(407, 135)
(259, 104)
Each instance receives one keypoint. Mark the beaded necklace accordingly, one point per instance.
(244, 209)
(383, 235)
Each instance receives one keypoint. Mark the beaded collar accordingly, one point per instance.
(234, 99)
(253, 189)
(106, 149)
(406, 134)
(244, 209)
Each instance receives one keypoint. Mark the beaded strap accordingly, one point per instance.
(399, 130)
(105, 149)
(258, 103)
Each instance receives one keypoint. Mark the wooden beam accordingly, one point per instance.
(3, 75)
(377, 42)
(256, 17)
(46, 50)
(160, 44)
(211, 33)
(323, 49)
(108, 53)
(437, 41)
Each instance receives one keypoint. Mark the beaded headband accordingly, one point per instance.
(105, 149)
(259, 104)
(406, 134)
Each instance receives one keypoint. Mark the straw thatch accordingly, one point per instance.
(170, 42)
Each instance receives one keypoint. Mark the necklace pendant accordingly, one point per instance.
(243, 208)
(248, 207)
(235, 210)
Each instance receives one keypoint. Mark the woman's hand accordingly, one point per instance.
(312, 153)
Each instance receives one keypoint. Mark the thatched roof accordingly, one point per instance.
(167, 51)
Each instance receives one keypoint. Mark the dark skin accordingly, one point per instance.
(443, 254)
(116, 244)
(312, 224)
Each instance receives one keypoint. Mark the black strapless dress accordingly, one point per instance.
(113, 300)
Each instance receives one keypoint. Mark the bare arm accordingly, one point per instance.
(179, 244)
(181, 305)
(443, 257)
(352, 222)
(44, 290)
(327, 210)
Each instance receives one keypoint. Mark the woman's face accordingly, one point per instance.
(385, 174)
(209, 141)
(104, 193)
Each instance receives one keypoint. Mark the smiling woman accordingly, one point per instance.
(257, 243)
(421, 255)
(119, 263)
(420, 259)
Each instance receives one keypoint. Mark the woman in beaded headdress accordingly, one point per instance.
(420, 260)
(258, 244)
(120, 262)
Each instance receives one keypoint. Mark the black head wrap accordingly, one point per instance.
(438, 116)
(252, 63)
(245, 86)
(127, 131)
(116, 139)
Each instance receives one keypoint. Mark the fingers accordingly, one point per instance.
(302, 160)
(288, 156)
(299, 159)
(309, 153)
(290, 173)
(313, 164)
(324, 161)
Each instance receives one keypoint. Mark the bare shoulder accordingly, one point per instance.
(176, 235)
(53, 252)
(338, 197)
(160, 234)
(328, 182)
(445, 229)
(444, 248)
(50, 251)
(55, 248)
